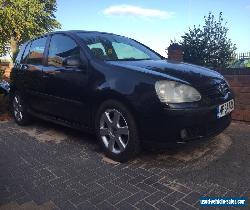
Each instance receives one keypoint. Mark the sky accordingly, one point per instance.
(155, 22)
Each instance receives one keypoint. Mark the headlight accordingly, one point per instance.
(175, 92)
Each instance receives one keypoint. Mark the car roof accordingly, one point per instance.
(71, 32)
(80, 31)
(68, 32)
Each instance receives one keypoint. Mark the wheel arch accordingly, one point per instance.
(112, 95)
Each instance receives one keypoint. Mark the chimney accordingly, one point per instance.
(175, 52)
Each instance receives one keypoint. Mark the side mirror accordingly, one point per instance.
(72, 62)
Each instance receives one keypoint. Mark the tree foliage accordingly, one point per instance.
(208, 45)
(21, 20)
(1, 74)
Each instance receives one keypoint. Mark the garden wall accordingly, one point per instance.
(239, 80)
(6, 67)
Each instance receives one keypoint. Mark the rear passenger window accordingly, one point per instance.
(25, 54)
(35, 55)
(61, 47)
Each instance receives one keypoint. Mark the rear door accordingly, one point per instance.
(32, 66)
(66, 87)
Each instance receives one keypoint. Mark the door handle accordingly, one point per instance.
(45, 76)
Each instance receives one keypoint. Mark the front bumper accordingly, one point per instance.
(180, 126)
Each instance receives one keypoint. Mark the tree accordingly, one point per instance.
(21, 20)
(1, 74)
(208, 45)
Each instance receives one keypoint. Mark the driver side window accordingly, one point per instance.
(61, 47)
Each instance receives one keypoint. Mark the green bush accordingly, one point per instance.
(208, 44)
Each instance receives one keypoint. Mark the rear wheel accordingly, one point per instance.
(19, 110)
(116, 131)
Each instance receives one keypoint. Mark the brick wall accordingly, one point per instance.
(239, 80)
(6, 67)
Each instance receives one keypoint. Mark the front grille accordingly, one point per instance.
(215, 92)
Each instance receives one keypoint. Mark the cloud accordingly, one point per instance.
(130, 10)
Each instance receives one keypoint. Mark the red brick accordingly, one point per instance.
(236, 90)
(243, 98)
(246, 115)
(234, 83)
(237, 115)
(240, 84)
(244, 79)
(242, 106)
(229, 78)
(245, 89)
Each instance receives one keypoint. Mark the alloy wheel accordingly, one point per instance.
(17, 108)
(114, 131)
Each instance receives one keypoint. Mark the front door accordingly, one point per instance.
(66, 87)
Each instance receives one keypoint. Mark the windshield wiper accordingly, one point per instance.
(128, 59)
(133, 59)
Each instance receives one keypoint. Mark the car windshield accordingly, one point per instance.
(117, 48)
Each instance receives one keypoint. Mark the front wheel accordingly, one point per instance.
(19, 110)
(117, 131)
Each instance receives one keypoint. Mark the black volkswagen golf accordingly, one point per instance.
(119, 89)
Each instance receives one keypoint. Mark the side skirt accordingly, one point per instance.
(62, 122)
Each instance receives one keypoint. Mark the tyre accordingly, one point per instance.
(117, 131)
(19, 110)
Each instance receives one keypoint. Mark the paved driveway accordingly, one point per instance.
(45, 166)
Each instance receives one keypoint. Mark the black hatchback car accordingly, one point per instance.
(119, 89)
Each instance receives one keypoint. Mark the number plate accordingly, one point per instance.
(225, 108)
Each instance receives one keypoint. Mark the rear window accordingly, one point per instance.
(20, 53)
(26, 53)
(35, 56)
(61, 47)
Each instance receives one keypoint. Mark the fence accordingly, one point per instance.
(242, 55)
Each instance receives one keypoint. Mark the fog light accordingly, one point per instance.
(184, 134)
